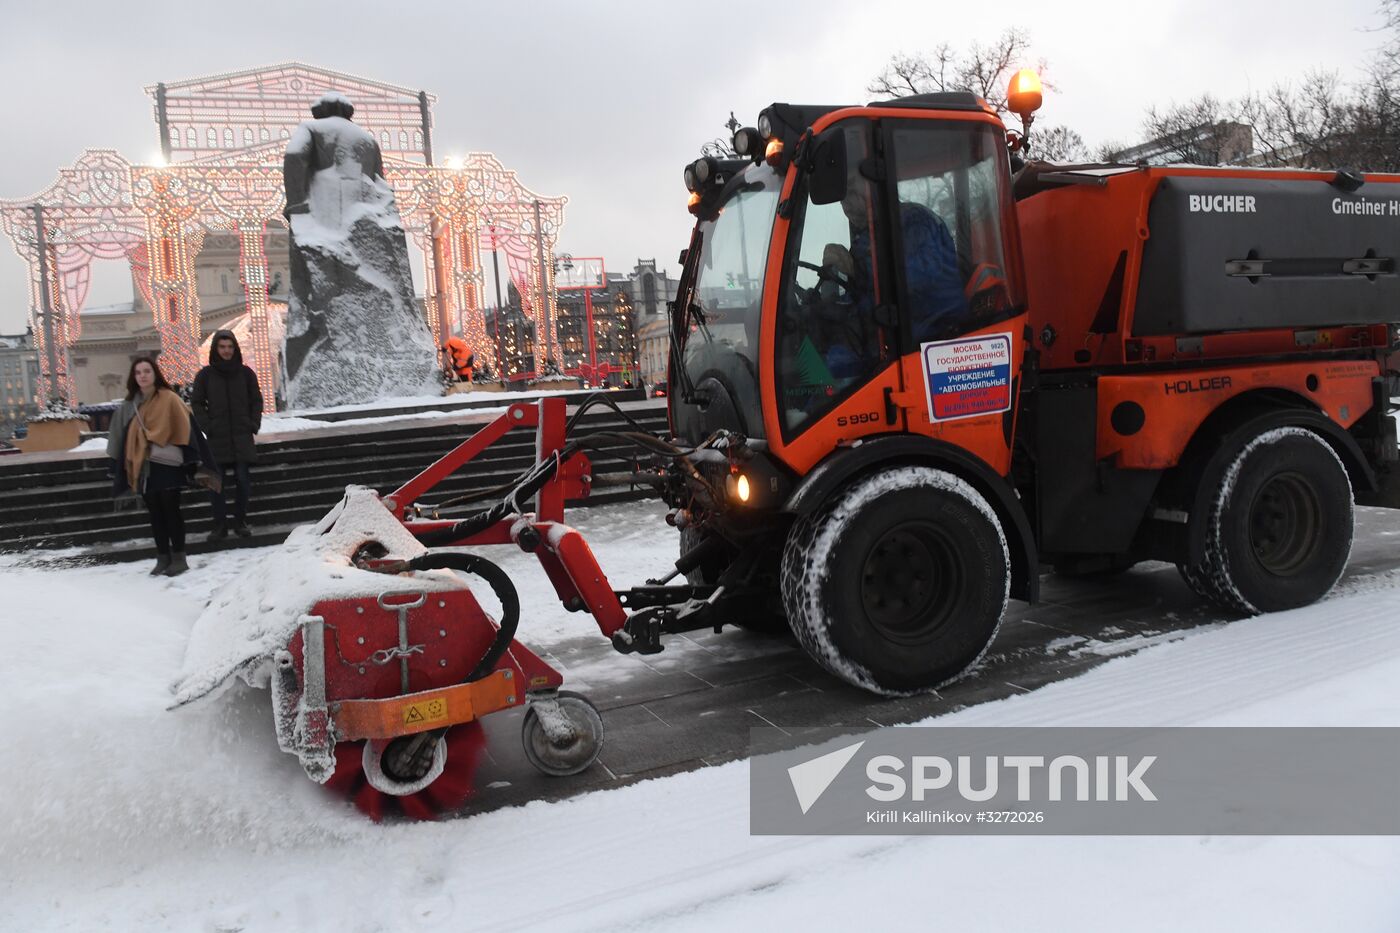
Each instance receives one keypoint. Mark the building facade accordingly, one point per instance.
(19, 381)
(513, 334)
(652, 290)
(605, 313)
(610, 333)
(653, 350)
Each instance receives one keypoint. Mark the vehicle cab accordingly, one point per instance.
(855, 273)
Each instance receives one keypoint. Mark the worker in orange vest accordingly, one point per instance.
(459, 358)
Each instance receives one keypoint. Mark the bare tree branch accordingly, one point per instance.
(984, 69)
(1059, 144)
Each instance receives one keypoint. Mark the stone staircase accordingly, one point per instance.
(60, 506)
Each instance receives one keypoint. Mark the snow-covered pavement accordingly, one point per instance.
(121, 815)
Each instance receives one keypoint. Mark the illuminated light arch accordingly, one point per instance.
(88, 214)
(449, 209)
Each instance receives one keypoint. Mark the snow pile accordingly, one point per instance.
(281, 424)
(57, 410)
(96, 772)
(256, 613)
(460, 401)
(105, 783)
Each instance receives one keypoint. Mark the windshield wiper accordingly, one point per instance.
(700, 321)
(680, 318)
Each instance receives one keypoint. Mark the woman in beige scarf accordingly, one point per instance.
(148, 435)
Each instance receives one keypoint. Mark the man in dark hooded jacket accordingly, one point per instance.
(228, 406)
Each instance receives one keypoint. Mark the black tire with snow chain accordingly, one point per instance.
(1188, 576)
(900, 583)
(1279, 532)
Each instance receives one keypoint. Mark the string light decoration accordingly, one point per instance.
(170, 202)
(256, 109)
(447, 209)
(242, 198)
(88, 215)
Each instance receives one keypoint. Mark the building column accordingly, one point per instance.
(439, 311)
(252, 272)
(48, 315)
(173, 291)
(467, 279)
(176, 311)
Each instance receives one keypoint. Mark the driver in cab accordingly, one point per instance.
(931, 272)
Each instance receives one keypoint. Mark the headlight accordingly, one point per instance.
(765, 125)
(691, 182)
(748, 142)
(704, 170)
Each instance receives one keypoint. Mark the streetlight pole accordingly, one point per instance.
(496, 271)
(45, 304)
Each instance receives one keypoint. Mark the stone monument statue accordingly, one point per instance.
(354, 333)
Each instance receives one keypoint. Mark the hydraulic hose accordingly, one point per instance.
(532, 480)
(500, 584)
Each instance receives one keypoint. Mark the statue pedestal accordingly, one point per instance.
(52, 435)
(462, 388)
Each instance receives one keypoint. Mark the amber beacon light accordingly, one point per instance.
(1024, 96)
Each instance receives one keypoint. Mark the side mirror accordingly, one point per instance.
(826, 166)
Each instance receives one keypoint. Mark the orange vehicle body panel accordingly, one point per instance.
(389, 717)
(1073, 239)
(1069, 242)
(1175, 403)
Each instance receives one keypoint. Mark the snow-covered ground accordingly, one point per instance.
(120, 815)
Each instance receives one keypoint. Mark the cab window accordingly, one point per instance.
(953, 193)
(828, 340)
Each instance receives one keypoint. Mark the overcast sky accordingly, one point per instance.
(605, 103)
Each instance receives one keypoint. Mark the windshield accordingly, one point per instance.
(722, 339)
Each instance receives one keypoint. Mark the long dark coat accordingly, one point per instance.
(228, 405)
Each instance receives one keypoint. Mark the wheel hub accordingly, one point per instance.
(1284, 522)
(562, 735)
(909, 581)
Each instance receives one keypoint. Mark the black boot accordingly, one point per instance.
(178, 565)
(219, 533)
(241, 529)
(162, 563)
